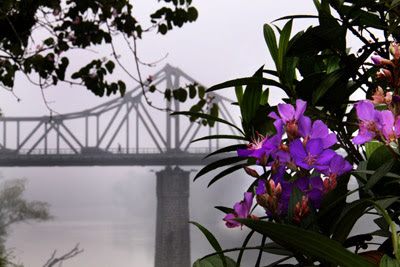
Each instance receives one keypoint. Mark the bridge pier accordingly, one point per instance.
(172, 228)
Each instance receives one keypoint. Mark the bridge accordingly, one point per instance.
(123, 131)
(120, 132)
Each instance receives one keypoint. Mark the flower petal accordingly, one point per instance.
(300, 108)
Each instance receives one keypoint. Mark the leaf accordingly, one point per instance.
(227, 149)
(245, 81)
(214, 261)
(387, 261)
(379, 157)
(307, 242)
(192, 91)
(225, 210)
(206, 116)
(380, 172)
(217, 164)
(326, 84)
(225, 172)
(349, 216)
(295, 197)
(219, 136)
(388, 174)
(270, 39)
(239, 94)
(201, 92)
(283, 44)
(213, 242)
(245, 242)
(110, 66)
(264, 97)
(251, 98)
(386, 202)
(370, 147)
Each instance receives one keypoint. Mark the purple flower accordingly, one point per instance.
(337, 167)
(311, 187)
(390, 128)
(259, 149)
(288, 113)
(289, 117)
(241, 210)
(371, 122)
(311, 156)
(318, 130)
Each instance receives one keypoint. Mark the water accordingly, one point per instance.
(111, 213)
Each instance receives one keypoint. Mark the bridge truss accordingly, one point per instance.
(123, 131)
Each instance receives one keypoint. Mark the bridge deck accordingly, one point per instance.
(111, 159)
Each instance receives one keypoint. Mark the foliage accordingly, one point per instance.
(300, 178)
(36, 37)
(14, 209)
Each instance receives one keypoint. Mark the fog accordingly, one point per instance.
(111, 211)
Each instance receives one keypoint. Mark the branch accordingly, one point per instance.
(53, 260)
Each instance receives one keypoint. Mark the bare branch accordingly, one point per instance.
(53, 260)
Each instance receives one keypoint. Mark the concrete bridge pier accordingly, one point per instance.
(172, 228)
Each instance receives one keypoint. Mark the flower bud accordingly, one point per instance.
(380, 61)
(394, 50)
(292, 130)
(251, 172)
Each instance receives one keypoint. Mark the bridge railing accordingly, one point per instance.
(94, 150)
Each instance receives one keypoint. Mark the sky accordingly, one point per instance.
(96, 204)
(226, 42)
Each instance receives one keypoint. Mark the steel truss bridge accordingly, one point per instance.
(123, 131)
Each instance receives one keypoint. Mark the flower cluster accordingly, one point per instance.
(384, 125)
(298, 155)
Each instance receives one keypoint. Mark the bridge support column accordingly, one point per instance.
(172, 228)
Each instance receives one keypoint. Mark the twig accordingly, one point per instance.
(53, 260)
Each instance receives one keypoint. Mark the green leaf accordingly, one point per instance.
(349, 216)
(283, 44)
(326, 84)
(370, 147)
(387, 261)
(214, 261)
(217, 164)
(270, 39)
(379, 157)
(386, 202)
(213, 112)
(380, 172)
(239, 94)
(201, 92)
(213, 242)
(389, 174)
(307, 242)
(264, 97)
(251, 98)
(192, 91)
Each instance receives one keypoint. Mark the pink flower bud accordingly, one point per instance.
(394, 50)
(251, 172)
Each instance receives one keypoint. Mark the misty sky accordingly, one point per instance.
(111, 210)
